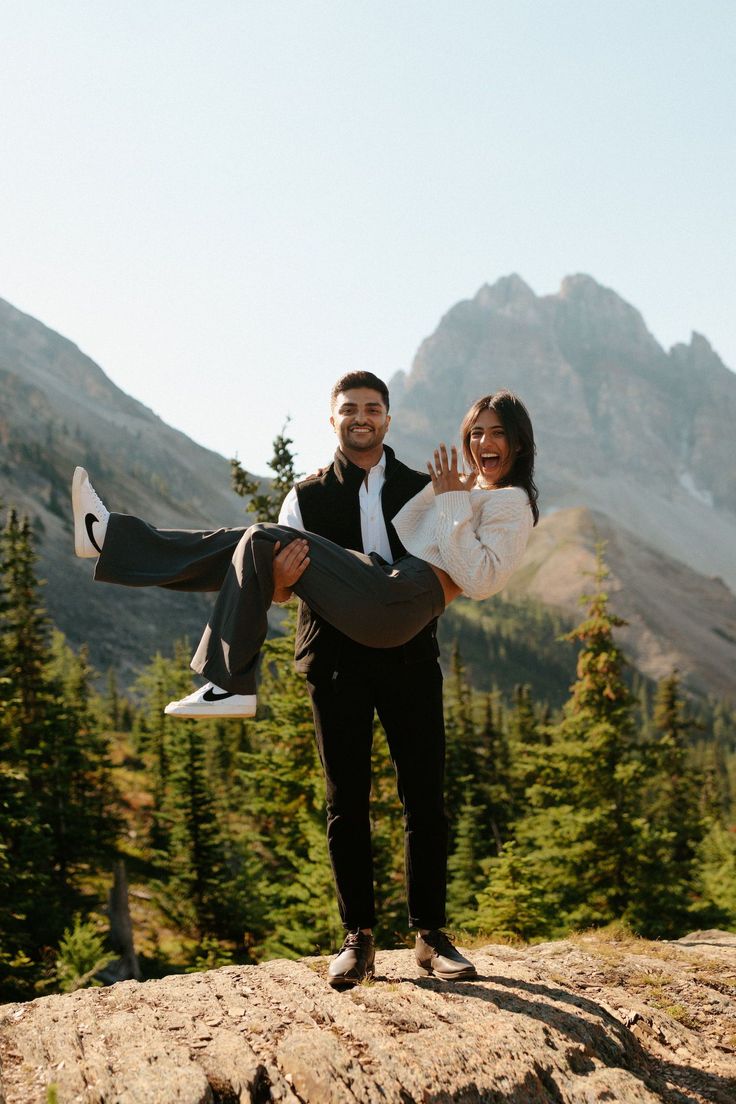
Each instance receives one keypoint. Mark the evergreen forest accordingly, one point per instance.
(611, 803)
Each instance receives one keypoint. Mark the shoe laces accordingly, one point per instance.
(97, 502)
(439, 941)
(355, 939)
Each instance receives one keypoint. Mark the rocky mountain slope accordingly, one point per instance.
(635, 444)
(58, 410)
(575, 1022)
(676, 618)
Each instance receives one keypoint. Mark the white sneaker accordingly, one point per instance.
(211, 701)
(90, 516)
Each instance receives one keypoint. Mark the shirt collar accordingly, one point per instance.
(381, 465)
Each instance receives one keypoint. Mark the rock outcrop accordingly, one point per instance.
(572, 1022)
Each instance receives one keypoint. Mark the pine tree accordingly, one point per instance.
(464, 869)
(673, 823)
(266, 505)
(54, 789)
(197, 878)
(497, 790)
(82, 812)
(24, 851)
(462, 742)
(29, 716)
(285, 873)
(163, 680)
(80, 956)
(510, 905)
(581, 832)
(478, 786)
(715, 879)
(190, 837)
(25, 643)
(24, 881)
(113, 709)
(673, 813)
(524, 736)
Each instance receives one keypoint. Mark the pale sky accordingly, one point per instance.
(229, 204)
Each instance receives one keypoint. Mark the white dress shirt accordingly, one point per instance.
(372, 524)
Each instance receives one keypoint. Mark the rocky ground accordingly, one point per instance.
(574, 1022)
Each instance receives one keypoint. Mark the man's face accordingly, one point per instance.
(360, 420)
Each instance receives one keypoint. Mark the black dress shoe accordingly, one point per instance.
(354, 962)
(436, 955)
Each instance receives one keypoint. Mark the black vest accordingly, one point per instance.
(329, 505)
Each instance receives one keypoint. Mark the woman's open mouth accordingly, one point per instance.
(489, 462)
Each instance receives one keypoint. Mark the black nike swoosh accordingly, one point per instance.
(89, 521)
(208, 695)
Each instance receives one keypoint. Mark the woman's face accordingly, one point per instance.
(490, 449)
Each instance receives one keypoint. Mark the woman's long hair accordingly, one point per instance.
(519, 434)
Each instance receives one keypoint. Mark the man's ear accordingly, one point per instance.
(388, 421)
(332, 421)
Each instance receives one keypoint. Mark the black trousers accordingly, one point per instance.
(378, 604)
(408, 700)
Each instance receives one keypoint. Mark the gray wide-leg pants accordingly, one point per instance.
(378, 604)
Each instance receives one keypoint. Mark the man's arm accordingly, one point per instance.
(290, 512)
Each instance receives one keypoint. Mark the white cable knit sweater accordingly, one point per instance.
(478, 537)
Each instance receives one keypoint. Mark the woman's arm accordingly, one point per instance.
(481, 556)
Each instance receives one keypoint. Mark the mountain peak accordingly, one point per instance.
(583, 289)
(601, 311)
(699, 343)
(508, 291)
(580, 285)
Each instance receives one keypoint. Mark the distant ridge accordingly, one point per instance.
(59, 409)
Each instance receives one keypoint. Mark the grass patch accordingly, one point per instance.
(676, 1012)
(476, 939)
(650, 980)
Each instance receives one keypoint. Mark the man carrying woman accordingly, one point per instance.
(366, 638)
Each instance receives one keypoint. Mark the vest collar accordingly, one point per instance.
(351, 475)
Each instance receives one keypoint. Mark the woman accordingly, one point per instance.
(463, 534)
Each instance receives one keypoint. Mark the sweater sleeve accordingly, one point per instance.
(481, 559)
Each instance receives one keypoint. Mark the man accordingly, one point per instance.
(352, 503)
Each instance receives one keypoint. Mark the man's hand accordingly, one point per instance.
(289, 564)
(444, 473)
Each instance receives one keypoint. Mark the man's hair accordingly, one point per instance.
(359, 379)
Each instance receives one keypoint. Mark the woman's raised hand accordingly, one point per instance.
(444, 472)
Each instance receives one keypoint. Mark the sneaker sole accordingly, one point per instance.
(201, 713)
(82, 546)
